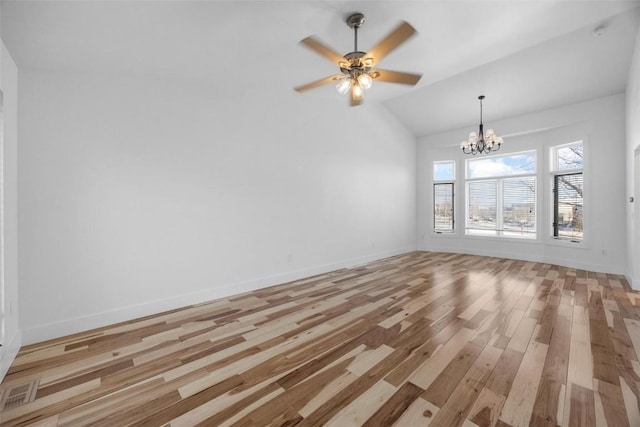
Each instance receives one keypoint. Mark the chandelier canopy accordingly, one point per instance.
(481, 143)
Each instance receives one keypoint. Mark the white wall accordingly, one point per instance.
(137, 196)
(600, 124)
(633, 168)
(9, 86)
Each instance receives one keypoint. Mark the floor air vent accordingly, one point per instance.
(12, 397)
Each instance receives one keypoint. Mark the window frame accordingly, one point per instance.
(453, 173)
(452, 182)
(3, 314)
(499, 231)
(453, 207)
(553, 158)
(556, 172)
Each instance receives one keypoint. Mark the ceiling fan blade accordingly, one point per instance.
(317, 83)
(324, 50)
(389, 43)
(395, 77)
(353, 100)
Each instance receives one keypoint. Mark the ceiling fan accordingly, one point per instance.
(356, 68)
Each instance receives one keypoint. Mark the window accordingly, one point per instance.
(501, 196)
(567, 157)
(2, 302)
(443, 207)
(566, 167)
(444, 171)
(443, 196)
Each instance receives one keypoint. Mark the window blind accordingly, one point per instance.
(519, 205)
(568, 206)
(443, 207)
(482, 202)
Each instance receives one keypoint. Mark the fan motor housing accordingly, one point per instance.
(355, 63)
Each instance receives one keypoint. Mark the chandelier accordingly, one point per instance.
(481, 143)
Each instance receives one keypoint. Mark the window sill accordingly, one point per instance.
(535, 240)
(445, 234)
(567, 243)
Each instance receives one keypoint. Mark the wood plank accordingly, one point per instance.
(486, 410)
(579, 408)
(549, 404)
(345, 397)
(454, 412)
(419, 413)
(580, 367)
(633, 327)
(338, 384)
(365, 406)
(418, 339)
(612, 401)
(252, 399)
(548, 408)
(440, 390)
(286, 405)
(522, 335)
(424, 376)
(518, 407)
(426, 347)
(395, 406)
(501, 380)
(630, 403)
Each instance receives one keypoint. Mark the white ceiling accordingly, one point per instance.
(523, 55)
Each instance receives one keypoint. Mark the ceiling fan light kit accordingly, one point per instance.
(356, 68)
(481, 143)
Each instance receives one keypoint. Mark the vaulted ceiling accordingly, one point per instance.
(523, 55)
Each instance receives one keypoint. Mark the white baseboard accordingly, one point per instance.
(58, 329)
(8, 354)
(635, 284)
(571, 263)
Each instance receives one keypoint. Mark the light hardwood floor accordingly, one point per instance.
(414, 340)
